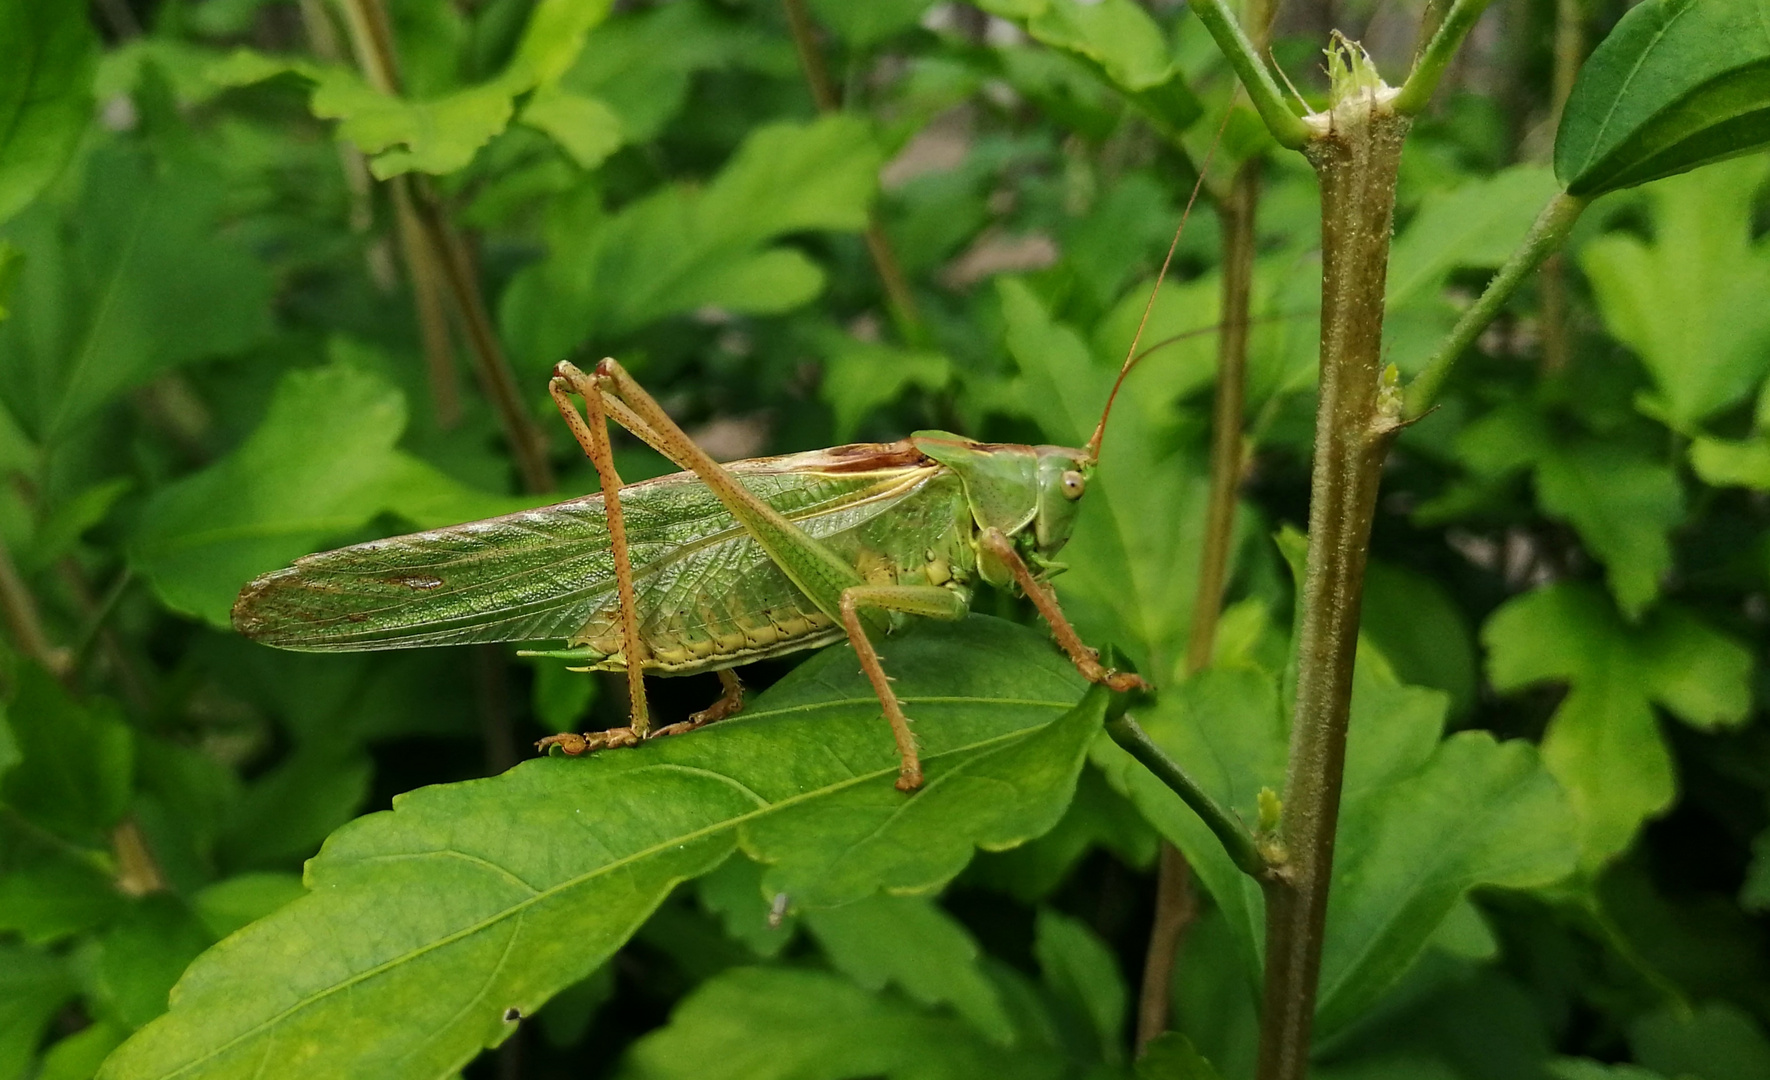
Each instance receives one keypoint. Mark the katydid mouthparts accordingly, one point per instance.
(709, 568)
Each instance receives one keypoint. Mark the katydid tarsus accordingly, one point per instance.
(712, 567)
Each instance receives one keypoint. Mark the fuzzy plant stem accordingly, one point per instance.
(1545, 237)
(1435, 59)
(1129, 734)
(1356, 155)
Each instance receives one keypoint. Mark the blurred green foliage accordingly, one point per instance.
(230, 337)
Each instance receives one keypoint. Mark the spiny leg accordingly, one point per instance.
(591, 431)
(929, 600)
(730, 703)
(1086, 660)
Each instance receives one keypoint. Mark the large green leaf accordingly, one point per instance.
(130, 280)
(1621, 496)
(869, 23)
(783, 1024)
(1676, 84)
(1410, 843)
(1120, 43)
(76, 763)
(1084, 978)
(1690, 301)
(45, 93)
(320, 466)
(426, 924)
(911, 943)
(683, 247)
(33, 987)
(1623, 505)
(443, 133)
(641, 60)
(1603, 744)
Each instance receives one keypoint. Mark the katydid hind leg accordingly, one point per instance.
(730, 703)
(818, 572)
(1086, 660)
(591, 431)
(928, 600)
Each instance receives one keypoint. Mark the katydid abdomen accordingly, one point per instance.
(709, 596)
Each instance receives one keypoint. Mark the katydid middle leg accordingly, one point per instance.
(931, 601)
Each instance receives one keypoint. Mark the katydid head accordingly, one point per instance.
(1030, 493)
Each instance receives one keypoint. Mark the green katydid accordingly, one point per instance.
(712, 567)
(706, 569)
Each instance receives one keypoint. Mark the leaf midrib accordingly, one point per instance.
(678, 841)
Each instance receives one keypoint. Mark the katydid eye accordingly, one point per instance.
(1073, 485)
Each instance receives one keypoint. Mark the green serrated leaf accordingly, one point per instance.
(1603, 744)
(1754, 894)
(1687, 302)
(76, 764)
(1475, 224)
(438, 136)
(1587, 1069)
(860, 377)
(1478, 813)
(584, 127)
(911, 943)
(137, 959)
(237, 901)
(1677, 84)
(320, 466)
(286, 813)
(682, 248)
(1713, 1040)
(783, 1024)
(1083, 974)
(54, 896)
(1120, 42)
(1623, 504)
(641, 61)
(45, 94)
(424, 925)
(1408, 850)
(130, 280)
(1171, 1056)
(1098, 817)
(1732, 463)
(78, 1056)
(1421, 630)
(33, 987)
(864, 25)
(734, 893)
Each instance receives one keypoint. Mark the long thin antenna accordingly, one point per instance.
(1093, 447)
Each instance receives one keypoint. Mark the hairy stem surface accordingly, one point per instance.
(1357, 158)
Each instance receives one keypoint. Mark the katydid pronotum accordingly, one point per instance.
(713, 567)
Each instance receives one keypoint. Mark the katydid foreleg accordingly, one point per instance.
(1086, 660)
(931, 601)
